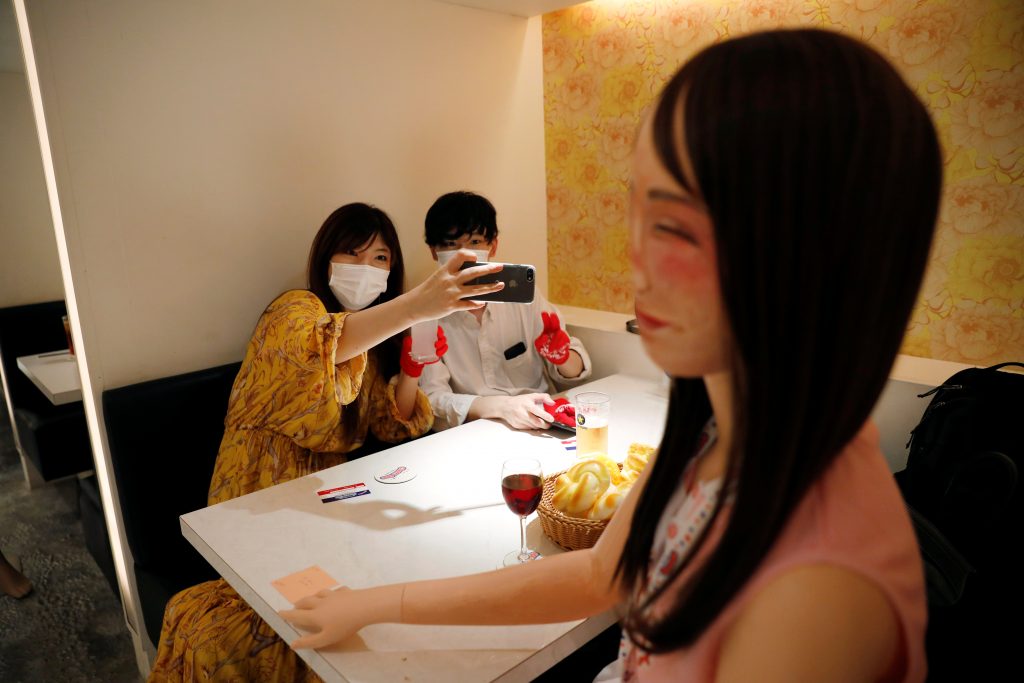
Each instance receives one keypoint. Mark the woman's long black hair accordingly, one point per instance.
(821, 172)
(348, 228)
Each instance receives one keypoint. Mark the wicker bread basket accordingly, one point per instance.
(571, 533)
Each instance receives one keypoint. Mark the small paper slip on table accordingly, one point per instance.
(447, 520)
(56, 375)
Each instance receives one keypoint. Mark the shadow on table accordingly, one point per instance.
(378, 515)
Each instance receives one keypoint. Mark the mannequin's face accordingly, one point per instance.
(672, 246)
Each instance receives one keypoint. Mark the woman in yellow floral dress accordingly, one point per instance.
(325, 367)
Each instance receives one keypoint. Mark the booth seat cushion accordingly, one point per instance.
(56, 441)
(163, 437)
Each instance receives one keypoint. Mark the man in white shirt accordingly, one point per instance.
(502, 358)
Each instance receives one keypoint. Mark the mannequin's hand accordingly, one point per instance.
(330, 616)
(414, 368)
(553, 342)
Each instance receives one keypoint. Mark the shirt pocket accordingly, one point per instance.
(526, 371)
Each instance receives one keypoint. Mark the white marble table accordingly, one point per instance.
(56, 375)
(449, 520)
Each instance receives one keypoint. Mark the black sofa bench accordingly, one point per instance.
(164, 436)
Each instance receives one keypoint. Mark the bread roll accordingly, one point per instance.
(594, 487)
(629, 478)
(606, 505)
(578, 488)
(575, 496)
(637, 457)
(612, 467)
(593, 466)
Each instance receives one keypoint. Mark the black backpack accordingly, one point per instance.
(963, 486)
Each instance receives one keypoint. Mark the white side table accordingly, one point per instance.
(56, 375)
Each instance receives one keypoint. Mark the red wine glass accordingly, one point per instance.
(521, 484)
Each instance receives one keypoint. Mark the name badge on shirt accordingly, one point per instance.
(515, 351)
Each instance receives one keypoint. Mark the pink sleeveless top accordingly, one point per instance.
(852, 517)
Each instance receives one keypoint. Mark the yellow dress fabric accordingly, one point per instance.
(285, 419)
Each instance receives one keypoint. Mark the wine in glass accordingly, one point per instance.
(521, 485)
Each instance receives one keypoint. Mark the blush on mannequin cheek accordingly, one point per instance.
(682, 268)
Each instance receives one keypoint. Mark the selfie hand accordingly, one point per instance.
(446, 290)
(553, 342)
(467, 276)
(414, 368)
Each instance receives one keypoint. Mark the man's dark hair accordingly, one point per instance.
(460, 213)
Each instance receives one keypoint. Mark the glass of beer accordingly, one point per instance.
(592, 411)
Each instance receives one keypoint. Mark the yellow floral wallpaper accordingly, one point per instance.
(605, 61)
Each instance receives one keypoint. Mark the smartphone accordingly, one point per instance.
(562, 427)
(519, 282)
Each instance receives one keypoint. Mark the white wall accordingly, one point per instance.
(611, 348)
(198, 146)
(897, 413)
(29, 271)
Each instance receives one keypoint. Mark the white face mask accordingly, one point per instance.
(357, 286)
(443, 257)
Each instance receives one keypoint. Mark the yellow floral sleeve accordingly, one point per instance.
(385, 421)
(289, 382)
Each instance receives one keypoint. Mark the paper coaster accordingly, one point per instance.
(511, 560)
(395, 475)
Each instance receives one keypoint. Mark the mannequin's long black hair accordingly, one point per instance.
(821, 172)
